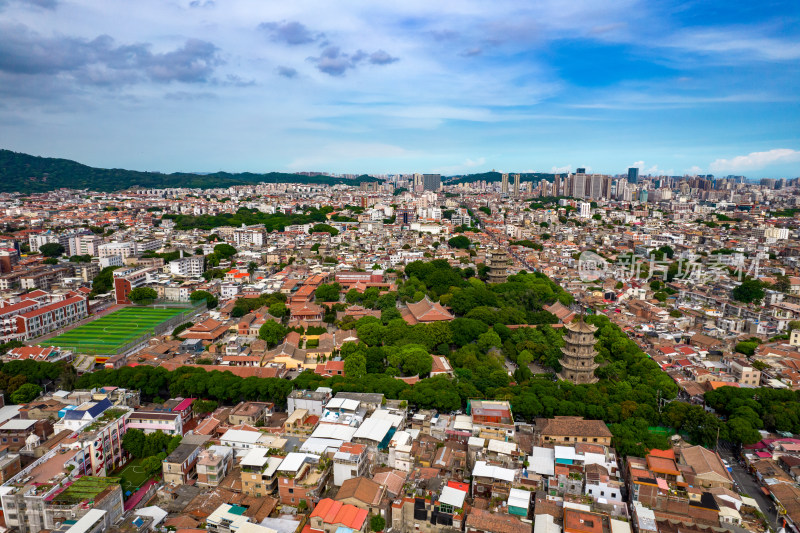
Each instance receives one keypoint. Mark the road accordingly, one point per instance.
(750, 487)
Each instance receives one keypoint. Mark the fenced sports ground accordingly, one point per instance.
(124, 329)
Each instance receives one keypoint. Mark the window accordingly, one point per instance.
(291, 491)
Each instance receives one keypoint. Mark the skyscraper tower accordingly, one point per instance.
(633, 175)
(431, 182)
(516, 184)
(504, 184)
(577, 361)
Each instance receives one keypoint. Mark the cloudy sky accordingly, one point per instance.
(450, 86)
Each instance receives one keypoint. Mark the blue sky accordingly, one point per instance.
(672, 87)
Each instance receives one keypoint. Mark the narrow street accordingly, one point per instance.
(750, 487)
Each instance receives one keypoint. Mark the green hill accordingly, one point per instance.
(28, 174)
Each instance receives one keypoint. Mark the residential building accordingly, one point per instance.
(213, 464)
(570, 430)
(150, 422)
(301, 477)
(330, 516)
(349, 461)
(259, 472)
(180, 466)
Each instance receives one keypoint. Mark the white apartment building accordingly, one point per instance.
(192, 266)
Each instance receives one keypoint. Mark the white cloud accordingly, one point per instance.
(638, 164)
(353, 152)
(693, 170)
(755, 160)
(561, 170)
(469, 166)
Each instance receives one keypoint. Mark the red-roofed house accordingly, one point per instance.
(329, 515)
(330, 369)
(51, 354)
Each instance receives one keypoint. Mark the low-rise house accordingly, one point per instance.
(180, 466)
(330, 516)
(482, 521)
(571, 430)
(350, 461)
(259, 472)
(150, 422)
(213, 464)
(15, 433)
(301, 478)
(363, 493)
(250, 413)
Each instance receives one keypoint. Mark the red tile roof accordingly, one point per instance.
(333, 512)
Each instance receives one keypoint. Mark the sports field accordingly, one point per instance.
(133, 477)
(108, 334)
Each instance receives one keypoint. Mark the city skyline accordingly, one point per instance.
(674, 88)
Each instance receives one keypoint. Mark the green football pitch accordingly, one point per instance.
(110, 333)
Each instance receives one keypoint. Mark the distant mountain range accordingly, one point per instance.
(29, 174)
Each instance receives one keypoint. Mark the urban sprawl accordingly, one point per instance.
(498, 353)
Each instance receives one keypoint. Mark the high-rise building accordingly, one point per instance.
(633, 175)
(585, 209)
(431, 182)
(516, 184)
(580, 170)
(557, 181)
(504, 184)
(643, 196)
(577, 361)
(418, 183)
(579, 186)
(595, 188)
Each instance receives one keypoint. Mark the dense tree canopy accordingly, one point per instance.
(459, 241)
(142, 294)
(328, 292)
(52, 249)
(272, 332)
(324, 228)
(210, 299)
(749, 291)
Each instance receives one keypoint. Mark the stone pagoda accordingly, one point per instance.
(578, 354)
(498, 263)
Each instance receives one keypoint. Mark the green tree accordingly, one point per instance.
(50, 261)
(324, 228)
(211, 300)
(377, 523)
(26, 393)
(224, 250)
(278, 309)
(747, 347)
(133, 442)
(52, 249)
(272, 332)
(749, 291)
(142, 294)
(328, 292)
(204, 406)
(782, 283)
(355, 366)
(460, 242)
